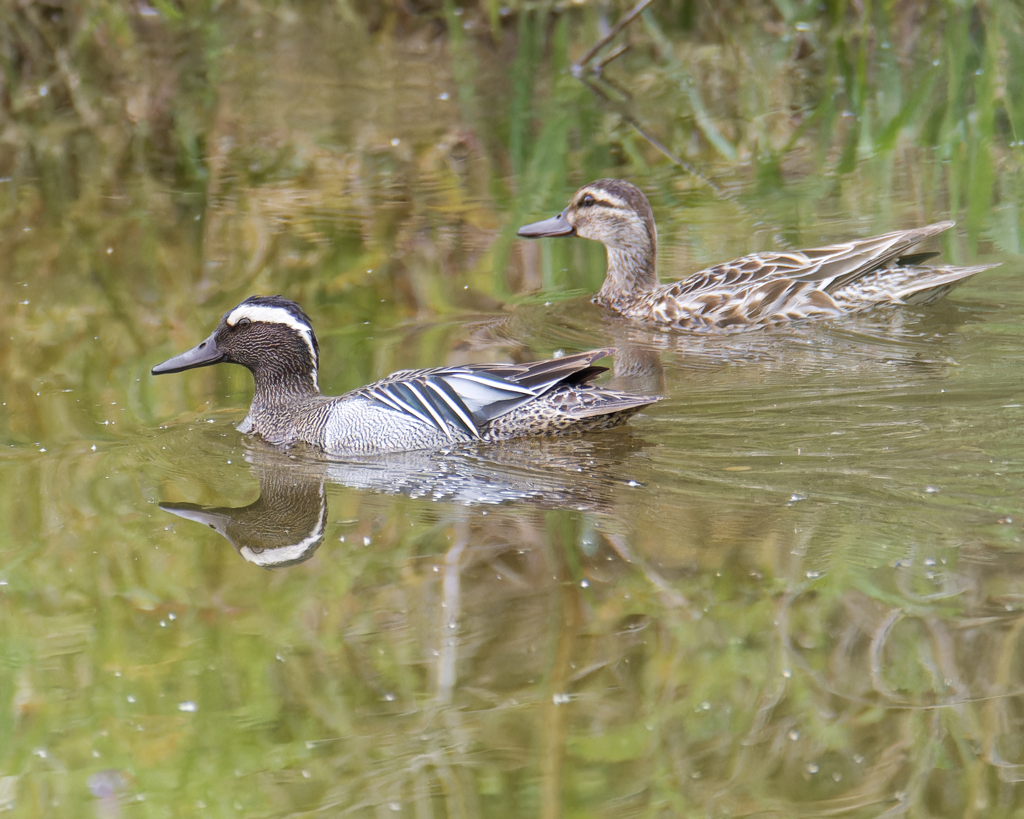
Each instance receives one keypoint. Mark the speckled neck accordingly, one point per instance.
(278, 397)
(276, 384)
(631, 274)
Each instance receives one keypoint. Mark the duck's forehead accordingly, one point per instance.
(266, 313)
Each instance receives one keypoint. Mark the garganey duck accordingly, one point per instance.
(756, 290)
(408, 410)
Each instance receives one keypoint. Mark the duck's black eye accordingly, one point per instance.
(587, 201)
(243, 322)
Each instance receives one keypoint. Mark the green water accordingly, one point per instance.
(795, 587)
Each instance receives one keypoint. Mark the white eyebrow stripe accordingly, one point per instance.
(276, 315)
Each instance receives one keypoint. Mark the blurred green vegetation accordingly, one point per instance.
(172, 154)
(112, 108)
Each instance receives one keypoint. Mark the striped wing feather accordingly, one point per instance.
(470, 396)
(827, 268)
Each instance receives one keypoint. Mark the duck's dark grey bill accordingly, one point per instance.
(201, 355)
(555, 226)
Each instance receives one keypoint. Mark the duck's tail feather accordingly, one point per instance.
(935, 282)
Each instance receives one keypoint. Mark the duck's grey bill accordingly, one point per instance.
(199, 514)
(555, 226)
(201, 355)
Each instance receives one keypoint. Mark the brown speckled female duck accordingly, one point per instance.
(755, 290)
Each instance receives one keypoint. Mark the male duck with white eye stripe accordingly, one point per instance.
(753, 291)
(408, 410)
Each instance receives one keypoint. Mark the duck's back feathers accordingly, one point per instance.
(469, 399)
(824, 282)
(835, 266)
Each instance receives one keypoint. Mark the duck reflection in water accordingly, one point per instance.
(285, 525)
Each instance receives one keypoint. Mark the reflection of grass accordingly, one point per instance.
(573, 680)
